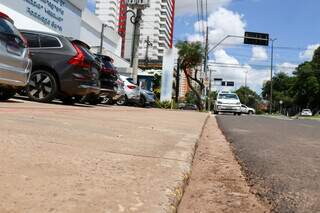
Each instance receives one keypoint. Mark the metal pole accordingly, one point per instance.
(178, 81)
(135, 55)
(101, 38)
(271, 75)
(210, 79)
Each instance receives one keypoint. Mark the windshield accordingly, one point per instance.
(228, 96)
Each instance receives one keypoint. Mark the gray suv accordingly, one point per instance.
(15, 64)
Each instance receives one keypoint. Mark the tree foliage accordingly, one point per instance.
(301, 90)
(248, 97)
(191, 56)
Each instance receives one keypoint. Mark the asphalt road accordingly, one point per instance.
(281, 159)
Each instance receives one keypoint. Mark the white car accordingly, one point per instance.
(247, 110)
(132, 92)
(306, 112)
(227, 102)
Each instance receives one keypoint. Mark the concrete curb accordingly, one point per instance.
(178, 191)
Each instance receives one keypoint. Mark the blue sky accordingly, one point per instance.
(295, 24)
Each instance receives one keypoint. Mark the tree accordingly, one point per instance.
(282, 90)
(248, 96)
(191, 55)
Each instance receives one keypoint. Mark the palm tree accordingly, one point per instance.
(191, 55)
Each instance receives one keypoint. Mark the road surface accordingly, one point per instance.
(281, 159)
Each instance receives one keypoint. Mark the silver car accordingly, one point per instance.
(15, 64)
(132, 92)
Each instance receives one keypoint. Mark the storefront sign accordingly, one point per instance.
(49, 12)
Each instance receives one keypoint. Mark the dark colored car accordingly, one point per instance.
(15, 64)
(62, 68)
(111, 86)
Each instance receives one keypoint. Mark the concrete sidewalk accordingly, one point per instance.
(57, 158)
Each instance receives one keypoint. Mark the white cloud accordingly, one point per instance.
(230, 69)
(308, 54)
(221, 23)
(259, 54)
(287, 68)
(189, 7)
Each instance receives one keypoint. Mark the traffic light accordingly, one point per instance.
(254, 38)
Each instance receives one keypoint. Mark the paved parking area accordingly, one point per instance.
(57, 158)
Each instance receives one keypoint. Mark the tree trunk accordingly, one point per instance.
(198, 95)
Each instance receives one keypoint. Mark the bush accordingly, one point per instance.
(166, 104)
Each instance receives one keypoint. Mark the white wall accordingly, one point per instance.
(68, 13)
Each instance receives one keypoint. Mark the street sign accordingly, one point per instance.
(254, 38)
(230, 84)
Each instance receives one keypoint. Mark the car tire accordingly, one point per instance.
(122, 101)
(6, 94)
(42, 86)
(250, 113)
(142, 101)
(215, 112)
(239, 113)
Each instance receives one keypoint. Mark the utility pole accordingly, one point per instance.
(101, 38)
(178, 81)
(135, 19)
(135, 48)
(210, 79)
(205, 62)
(271, 76)
(246, 78)
(149, 44)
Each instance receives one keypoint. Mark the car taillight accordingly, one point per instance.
(5, 16)
(131, 86)
(78, 59)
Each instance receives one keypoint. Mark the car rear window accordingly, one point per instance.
(33, 40)
(49, 41)
(8, 28)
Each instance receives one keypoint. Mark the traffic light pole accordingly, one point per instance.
(101, 38)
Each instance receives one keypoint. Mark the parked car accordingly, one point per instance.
(112, 87)
(227, 102)
(15, 64)
(306, 112)
(147, 98)
(187, 106)
(247, 110)
(62, 68)
(132, 92)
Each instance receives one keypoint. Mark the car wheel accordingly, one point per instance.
(122, 101)
(250, 112)
(6, 94)
(239, 113)
(142, 101)
(42, 86)
(215, 112)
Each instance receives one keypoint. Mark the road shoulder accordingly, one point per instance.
(216, 183)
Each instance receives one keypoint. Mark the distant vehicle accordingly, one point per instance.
(227, 102)
(306, 112)
(62, 68)
(132, 92)
(188, 106)
(147, 98)
(247, 110)
(15, 64)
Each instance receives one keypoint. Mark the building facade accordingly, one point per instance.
(108, 11)
(156, 34)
